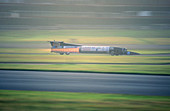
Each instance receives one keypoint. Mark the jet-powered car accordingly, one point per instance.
(67, 48)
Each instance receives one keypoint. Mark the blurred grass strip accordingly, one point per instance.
(126, 69)
(24, 50)
(95, 33)
(156, 51)
(83, 58)
(104, 37)
(11, 100)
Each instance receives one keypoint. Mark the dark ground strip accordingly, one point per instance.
(84, 63)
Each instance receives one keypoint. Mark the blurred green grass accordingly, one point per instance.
(87, 58)
(24, 50)
(96, 37)
(98, 68)
(95, 33)
(11, 100)
(160, 37)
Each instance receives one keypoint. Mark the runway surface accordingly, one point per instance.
(85, 82)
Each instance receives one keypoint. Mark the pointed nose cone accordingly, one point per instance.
(132, 53)
(128, 53)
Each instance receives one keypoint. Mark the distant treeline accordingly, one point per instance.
(142, 13)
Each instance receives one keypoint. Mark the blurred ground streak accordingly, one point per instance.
(47, 46)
